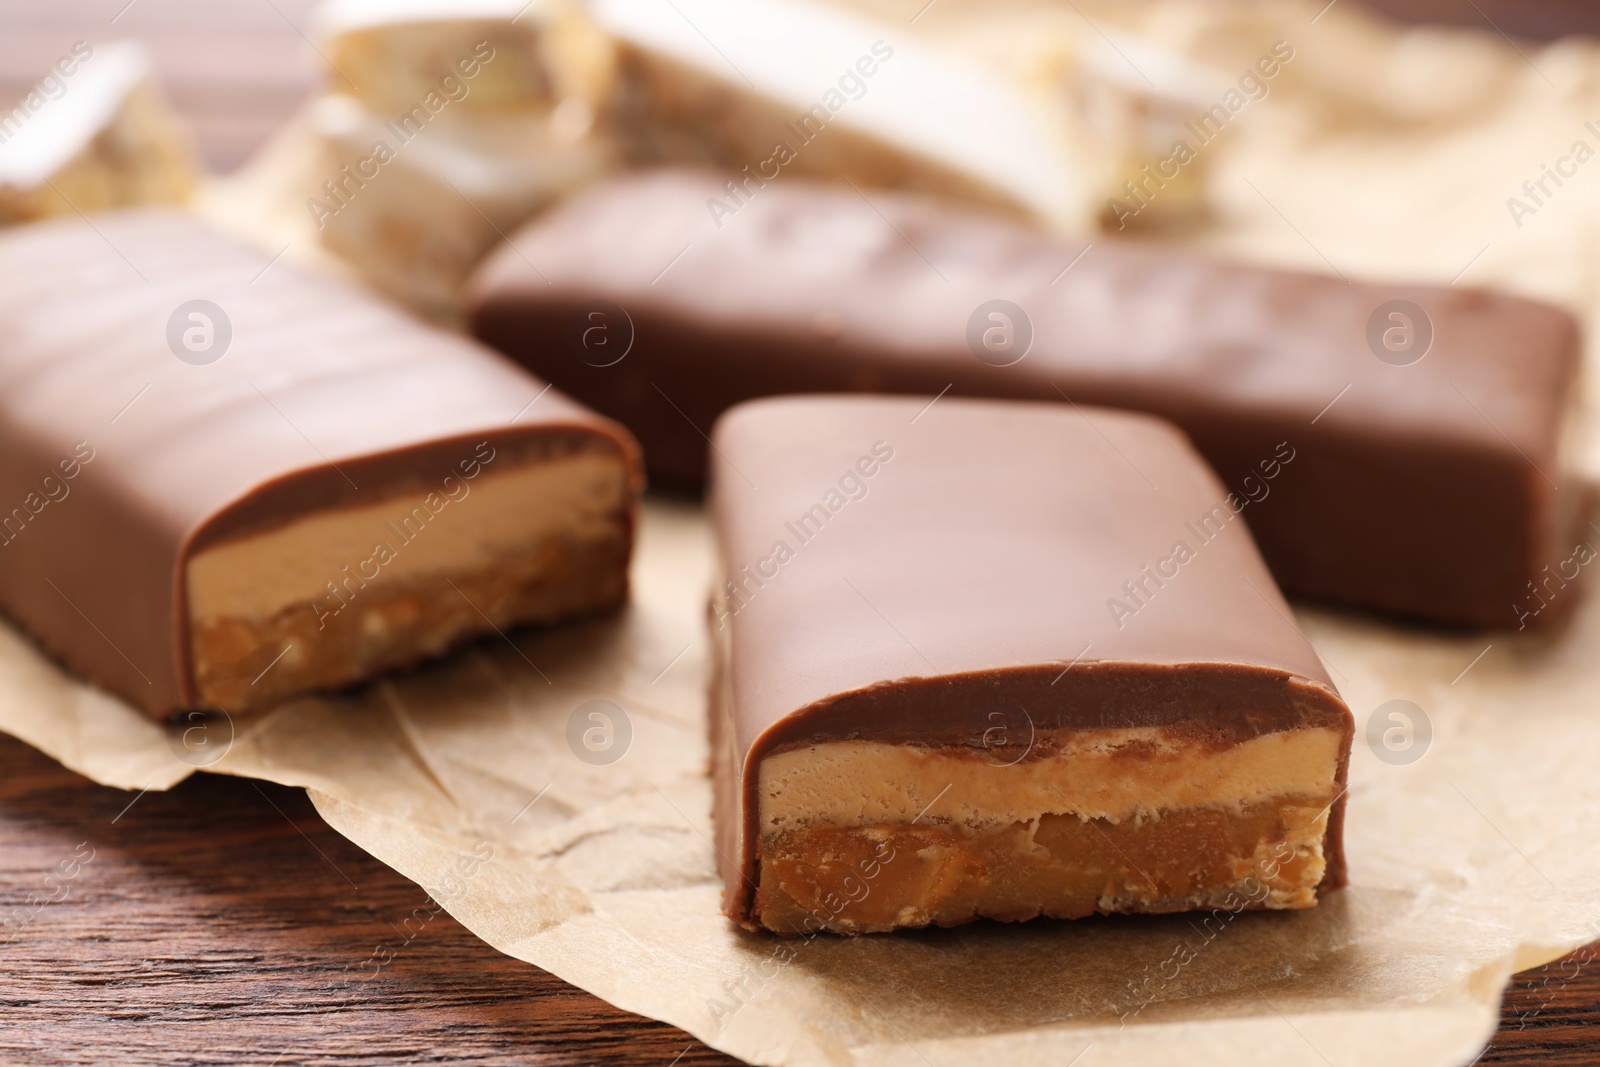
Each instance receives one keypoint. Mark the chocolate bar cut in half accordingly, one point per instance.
(999, 659)
(224, 483)
(1430, 425)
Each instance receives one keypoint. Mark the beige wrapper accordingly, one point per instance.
(1477, 860)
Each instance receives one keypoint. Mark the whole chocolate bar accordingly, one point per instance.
(1425, 423)
(223, 483)
(794, 87)
(972, 662)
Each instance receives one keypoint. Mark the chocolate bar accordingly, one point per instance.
(781, 88)
(1421, 427)
(94, 134)
(413, 57)
(972, 662)
(414, 214)
(224, 484)
(444, 126)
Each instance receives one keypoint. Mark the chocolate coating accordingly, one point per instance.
(1427, 489)
(324, 397)
(975, 575)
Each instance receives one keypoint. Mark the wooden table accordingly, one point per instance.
(224, 922)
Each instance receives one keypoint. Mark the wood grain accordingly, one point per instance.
(224, 922)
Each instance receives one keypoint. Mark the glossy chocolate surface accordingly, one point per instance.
(1427, 489)
(323, 396)
(975, 571)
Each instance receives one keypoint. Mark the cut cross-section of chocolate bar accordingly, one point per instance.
(224, 483)
(1003, 660)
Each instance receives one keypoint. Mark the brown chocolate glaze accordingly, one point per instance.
(974, 575)
(324, 397)
(1428, 490)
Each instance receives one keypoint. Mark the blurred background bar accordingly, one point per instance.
(235, 70)
(1540, 19)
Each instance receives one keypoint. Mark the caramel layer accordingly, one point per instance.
(868, 836)
(873, 879)
(236, 659)
(336, 596)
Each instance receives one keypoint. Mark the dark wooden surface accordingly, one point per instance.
(224, 922)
